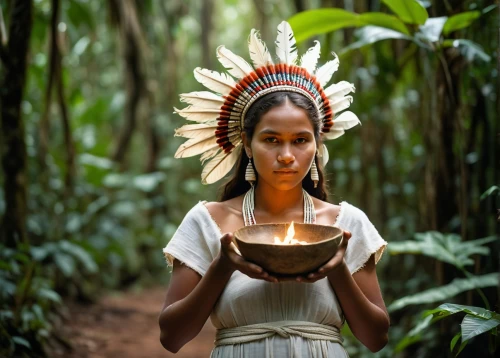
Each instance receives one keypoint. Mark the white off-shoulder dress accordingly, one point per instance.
(272, 308)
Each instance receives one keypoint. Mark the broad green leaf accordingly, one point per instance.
(21, 341)
(490, 191)
(431, 30)
(460, 21)
(473, 326)
(384, 20)
(98, 162)
(469, 49)
(48, 294)
(320, 21)
(447, 248)
(371, 34)
(445, 292)
(148, 182)
(314, 22)
(65, 263)
(409, 11)
(79, 253)
(487, 9)
(116, 180)
(455, 308)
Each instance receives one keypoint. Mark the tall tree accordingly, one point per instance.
(55, 77)
(13, 53)
(124, 15)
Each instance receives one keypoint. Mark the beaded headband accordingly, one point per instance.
(220, 115)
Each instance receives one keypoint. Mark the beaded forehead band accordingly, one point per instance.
(220, 115)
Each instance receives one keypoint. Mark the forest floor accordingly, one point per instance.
(124, 325)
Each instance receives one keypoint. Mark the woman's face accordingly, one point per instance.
(283, 146)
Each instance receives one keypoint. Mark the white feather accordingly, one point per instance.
(309, 60)
(234, 64)
(339, 90)
(209, 154)
(333, 134)
(323, 154)
(196, 131)
(325, 72)
(345, 121)
(219, 166)
(198, 114)
(341, 103)
(258, 51)
(195, 146)
(202, 99)
(285, 44)
(217, 82)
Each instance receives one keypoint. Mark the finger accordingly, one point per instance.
(226, 239)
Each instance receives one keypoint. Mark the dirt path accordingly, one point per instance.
(125, 326)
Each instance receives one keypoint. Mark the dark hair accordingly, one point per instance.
(237, 185)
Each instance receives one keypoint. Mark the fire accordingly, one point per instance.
(289, 240)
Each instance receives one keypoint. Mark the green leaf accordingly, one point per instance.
(455, 340)
(447, 291)
(431, 30)
(469, 49)
(148, 182)
(460, 21)
(314, 22)
(48, 294)
(490, 191)
(79, 253)
(409, 11)
(384, 20)
(20, 341)
(65, 263)
(447, 248)
(95, 161)
(371, 34)
(473, 326)
(453, 308)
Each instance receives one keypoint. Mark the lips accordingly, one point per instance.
(285, 172)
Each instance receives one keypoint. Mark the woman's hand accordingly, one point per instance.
(330, 267)
(231, 260)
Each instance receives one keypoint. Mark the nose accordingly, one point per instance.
(286, 156)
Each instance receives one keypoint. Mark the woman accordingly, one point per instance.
(272, 122)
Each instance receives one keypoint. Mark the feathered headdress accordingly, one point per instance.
(220, 115)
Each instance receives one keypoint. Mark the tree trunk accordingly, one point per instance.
(131, 40)
(14, 58)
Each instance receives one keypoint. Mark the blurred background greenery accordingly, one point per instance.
(92, 193)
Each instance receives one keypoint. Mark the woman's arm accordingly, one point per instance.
(362, 303)
(191, 298)
(359, 296)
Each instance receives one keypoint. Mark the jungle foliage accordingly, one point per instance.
(91, 192)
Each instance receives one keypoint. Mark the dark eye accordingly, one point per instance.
(271, 140)
(300, 140)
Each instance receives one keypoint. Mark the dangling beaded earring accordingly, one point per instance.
(250, 173)
(314, 173)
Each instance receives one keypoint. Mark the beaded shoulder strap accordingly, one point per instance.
(249, 206)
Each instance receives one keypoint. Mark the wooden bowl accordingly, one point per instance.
(256, 244)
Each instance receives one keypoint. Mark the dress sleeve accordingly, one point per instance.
(196, 242)
(365, 240)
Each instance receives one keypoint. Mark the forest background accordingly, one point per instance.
(92, 193)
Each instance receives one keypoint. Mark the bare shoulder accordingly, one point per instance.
(326, 213)
(226, 214)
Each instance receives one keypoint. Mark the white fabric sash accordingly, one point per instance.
(285, 329)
